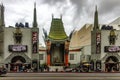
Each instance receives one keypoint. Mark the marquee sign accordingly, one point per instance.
(112, 49)
(98, 43)
(34, 42)
(17, 48)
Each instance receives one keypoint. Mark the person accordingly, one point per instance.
(15, 68)
(56, 69)
(3, 70)
(20, 68)
(23, 68)
(114, 68)
(109, 69)
(32, 69)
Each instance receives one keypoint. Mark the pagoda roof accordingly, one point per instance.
(57, 31)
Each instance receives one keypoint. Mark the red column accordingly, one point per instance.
(48, 59)
(66, 59)
(66, 52)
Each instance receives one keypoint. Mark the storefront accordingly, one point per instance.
(111, 64)
(19, 45)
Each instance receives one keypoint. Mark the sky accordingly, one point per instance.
(75, 13)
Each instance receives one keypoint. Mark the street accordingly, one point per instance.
(61, 76)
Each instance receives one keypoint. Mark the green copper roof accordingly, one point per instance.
(57, 31)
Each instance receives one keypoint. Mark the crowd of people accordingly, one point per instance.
(45, 68)
(3, 70)
(21, 68)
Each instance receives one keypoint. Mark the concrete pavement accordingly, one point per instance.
(61, 76)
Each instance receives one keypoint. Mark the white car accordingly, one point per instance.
(68, 70)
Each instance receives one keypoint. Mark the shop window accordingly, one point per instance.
(41, 56)
(71, 56)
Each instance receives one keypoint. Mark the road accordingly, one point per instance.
(61, 76)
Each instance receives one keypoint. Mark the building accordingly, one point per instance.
(57, 44)
(19, 43)
(100, 42)
(81, 37)
(96, 44)
(104, 46)
(78, 40)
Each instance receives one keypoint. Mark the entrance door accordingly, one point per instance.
(17, 63)
(111, 64)
(57, 54)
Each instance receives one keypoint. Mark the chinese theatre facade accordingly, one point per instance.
(19, 44)
(57, 44)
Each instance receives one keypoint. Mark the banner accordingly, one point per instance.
(98, 43)
(34, 42)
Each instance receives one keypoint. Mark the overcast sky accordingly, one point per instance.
(75, 13)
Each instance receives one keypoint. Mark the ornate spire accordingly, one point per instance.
(35, 5)
(52, 16)
(34, 16)
(2, 15)
(61, 16)
(96, 24)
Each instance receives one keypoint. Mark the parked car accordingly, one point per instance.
(68, 70)
(3, 71)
